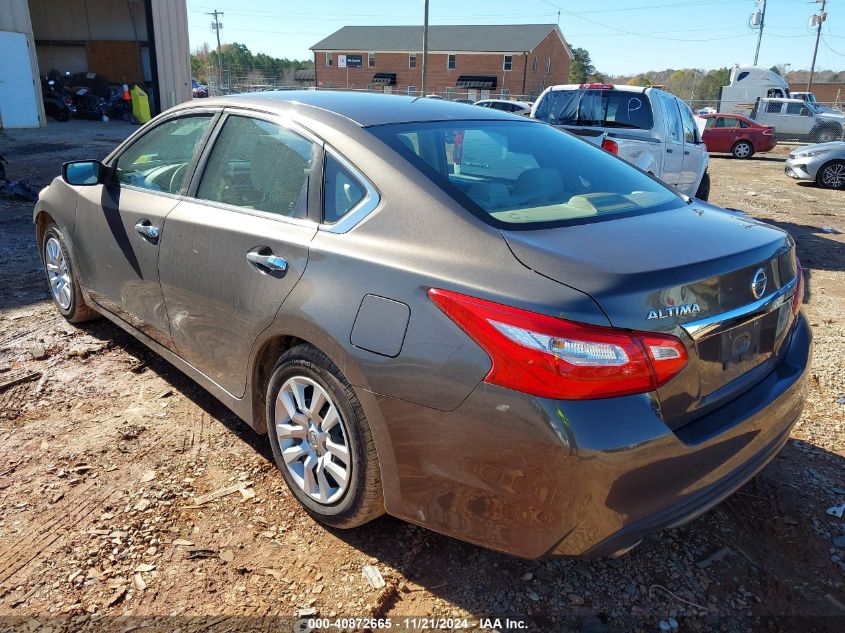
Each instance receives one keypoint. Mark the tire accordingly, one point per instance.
(62, 116)
(832, 175)
(333, 501)
(703, 192)
(827, 134)
(62, 280)
(742, 150)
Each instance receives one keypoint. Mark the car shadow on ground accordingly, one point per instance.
(769, 158)
(146, 359)
(754, 539)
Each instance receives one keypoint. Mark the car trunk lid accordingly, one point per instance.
(694, 272)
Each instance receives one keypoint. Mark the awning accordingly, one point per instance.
(385, 79)
(476, 81)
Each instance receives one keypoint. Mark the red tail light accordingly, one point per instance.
(553, 358)
(610, 146)
(798, 297)
(768, 131)
(596, 86)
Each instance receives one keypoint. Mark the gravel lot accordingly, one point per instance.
(107, 453)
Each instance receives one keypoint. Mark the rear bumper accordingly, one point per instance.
(535, 477)
(767, 144)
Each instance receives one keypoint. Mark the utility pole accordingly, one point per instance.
(816, 20)
(424, 86)
(216, 26)
(760, 26)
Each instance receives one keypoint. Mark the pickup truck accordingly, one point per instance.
(647, 127)
(798, 119)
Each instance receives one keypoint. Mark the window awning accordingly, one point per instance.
(385, 79)
(476, 81)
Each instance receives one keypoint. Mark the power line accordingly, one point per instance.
(831, 49)
(650, 36)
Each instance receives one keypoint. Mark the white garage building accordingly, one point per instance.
(142, 42)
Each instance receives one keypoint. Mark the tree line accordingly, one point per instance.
(239, 63)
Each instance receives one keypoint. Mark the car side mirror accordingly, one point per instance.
(85, 172)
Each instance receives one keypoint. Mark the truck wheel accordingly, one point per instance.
(321, 440)
(703, 192)
(832, 175)
(62, 116)
(742, 149)
(827, 134)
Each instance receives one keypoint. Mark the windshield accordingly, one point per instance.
(528, 174)
(604, 108)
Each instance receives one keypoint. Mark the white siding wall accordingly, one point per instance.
(173, 53)
(14, 16)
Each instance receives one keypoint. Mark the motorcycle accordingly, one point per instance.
(56, 103)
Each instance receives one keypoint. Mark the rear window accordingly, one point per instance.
(514, 174)
(602, 108)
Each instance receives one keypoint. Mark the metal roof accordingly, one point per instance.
(361, 108)
(500, 38)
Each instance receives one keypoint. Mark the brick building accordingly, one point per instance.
(464, 61)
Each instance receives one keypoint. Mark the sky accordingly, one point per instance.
(622, 36)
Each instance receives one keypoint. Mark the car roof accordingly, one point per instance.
(623, 87)
(365, 109)
(516, 101)
(732, 115)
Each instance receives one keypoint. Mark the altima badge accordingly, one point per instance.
(673, 311)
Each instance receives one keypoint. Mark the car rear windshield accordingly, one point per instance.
(600, 108)
(526, 174)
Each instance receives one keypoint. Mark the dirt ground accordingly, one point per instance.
(106, 452)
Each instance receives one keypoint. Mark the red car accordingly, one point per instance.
(737, 135)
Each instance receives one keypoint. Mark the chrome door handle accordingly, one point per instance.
(269, 262)
(147, 230)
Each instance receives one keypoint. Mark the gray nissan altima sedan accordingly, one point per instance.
(461, 317)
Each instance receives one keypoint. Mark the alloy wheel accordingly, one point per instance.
(58, 273)
(742, 150)
(313, 439)
(833, 176)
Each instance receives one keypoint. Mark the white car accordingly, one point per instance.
(506, 105)
(647, 127)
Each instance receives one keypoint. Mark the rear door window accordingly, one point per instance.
(673, 117)
(798, 109)
(259, 165)
(688, 122)
(774, 107)
(599, 108)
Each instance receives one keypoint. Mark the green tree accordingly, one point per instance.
(581, 70)
(640, 80)
(776, 70)
(710, 86)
